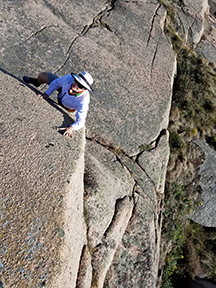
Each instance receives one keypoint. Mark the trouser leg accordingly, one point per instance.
(43, 78)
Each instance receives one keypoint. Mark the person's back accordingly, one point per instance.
(73, 94)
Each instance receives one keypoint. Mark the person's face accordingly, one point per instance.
(77, 87)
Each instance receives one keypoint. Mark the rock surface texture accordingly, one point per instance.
(205, 215)
(197, 26)
(86, 212)
(207, 45)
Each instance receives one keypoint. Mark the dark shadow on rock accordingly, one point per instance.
(67, 118)
(188, 282)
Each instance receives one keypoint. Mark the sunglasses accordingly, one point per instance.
(79, 85)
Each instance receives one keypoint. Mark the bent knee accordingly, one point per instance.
(43, 77)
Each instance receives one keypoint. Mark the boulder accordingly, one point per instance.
(205, 214)
(191, 21)
(207, 44)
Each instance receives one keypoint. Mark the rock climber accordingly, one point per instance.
(73, 94)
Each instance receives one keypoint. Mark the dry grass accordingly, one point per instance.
(193, 114)
(200, 251)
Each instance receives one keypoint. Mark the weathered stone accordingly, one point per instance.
(106, 181)
(135, 262)
(84, 277)
(103, 255)
(126, 123)
(155, 162)
(191, 21)
(37, 163)
(122, 44)
(118, 114)
(206, 47)
(141, 178)
(205, 214)
(75, 230)
(37, 35)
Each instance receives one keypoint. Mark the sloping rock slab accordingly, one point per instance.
(205, 214)
(37, 35)
(135, 262)
(37, 164)
(135, 67)
(121, 43)
(106, 182)
(207, 45)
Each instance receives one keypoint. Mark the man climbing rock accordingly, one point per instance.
(73, 94)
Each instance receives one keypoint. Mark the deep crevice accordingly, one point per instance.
(118, 152)
(118, 158)
(152, 145)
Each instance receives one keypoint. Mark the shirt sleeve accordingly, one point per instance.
(57, 83)
(80, 118)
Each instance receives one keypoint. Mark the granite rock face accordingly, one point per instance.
(205, 215)
(77, 213)
(207, 44)
(196, 24)
(36, 174)
(191, 21)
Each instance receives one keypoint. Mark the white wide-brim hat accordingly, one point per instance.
(85, 79)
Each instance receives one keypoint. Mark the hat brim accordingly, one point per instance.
(82, 82)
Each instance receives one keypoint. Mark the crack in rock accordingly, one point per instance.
(68, 54)
(181, 24)
(39, 31)
(96, 22)
(140, 177)
(193, 37)
(154, 56)
(134, 167)
(143, 189)
(154, 162)
(152, 23)
(103, 255)
(151, 146)
(84, 275)
(94, 263)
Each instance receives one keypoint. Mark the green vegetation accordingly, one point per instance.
(199, 250)
(193, 113)
(177, 207)
(146, 147)
(175, 141)
(194, 92)
(211, 140)
(61, 232)
(193, 253)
